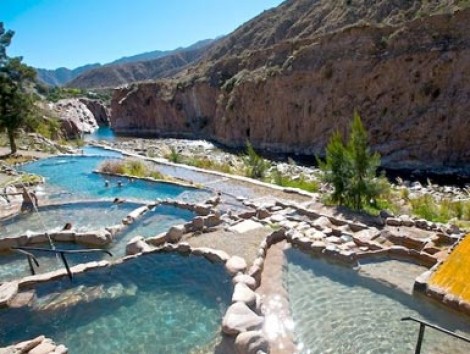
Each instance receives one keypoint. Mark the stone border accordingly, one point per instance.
(150, 179)
(98, 237)
(204, 213)
(105, 235)
(407, 221)
(312, 214)
(398, 251)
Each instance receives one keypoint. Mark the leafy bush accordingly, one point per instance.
(47, 127)
(351, 169)
(112, 166)
(255, 165)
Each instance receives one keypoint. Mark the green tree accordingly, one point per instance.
(255, 165)
(351, 168)
(337, 168)
(16, 78)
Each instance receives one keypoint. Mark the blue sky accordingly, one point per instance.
(71, 33)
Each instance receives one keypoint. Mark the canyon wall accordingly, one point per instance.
(410, 83)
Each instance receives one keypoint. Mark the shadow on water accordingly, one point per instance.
(350, 278)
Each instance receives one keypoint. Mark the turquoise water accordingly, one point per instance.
(102, 133)
(74, 175)
(93, 150)
(335, 310)
(154, 222)
(15, 266)
(160, 303)
(82, 216)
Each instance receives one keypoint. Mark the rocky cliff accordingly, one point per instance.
(288, 79)
(75, 117)
(99, 109)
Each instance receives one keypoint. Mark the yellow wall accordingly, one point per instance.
(454, 274)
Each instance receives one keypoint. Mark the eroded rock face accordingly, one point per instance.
(75, 117)
(409, 82)
(99, 110)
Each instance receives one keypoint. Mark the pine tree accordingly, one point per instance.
(16, 103)
(337, 169)
(351, 168)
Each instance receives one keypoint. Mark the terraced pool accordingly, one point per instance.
(335, 310)
(159, 303)
(73, 177)
(82, 216)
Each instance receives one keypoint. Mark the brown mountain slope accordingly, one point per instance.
(286, 88)
(117, 75)
(297, 19)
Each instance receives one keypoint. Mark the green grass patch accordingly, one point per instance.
(428, 208)
(208, 164)
(174, 156)
(301, 183)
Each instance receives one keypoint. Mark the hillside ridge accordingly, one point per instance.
(408, 79)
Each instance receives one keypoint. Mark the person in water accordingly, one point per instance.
(30, 200)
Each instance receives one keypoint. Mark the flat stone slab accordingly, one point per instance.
(26, 346)
(239, 318)
(246, 226)
(211, 254)
(7, 292)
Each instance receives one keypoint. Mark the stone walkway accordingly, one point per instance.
(244, 245)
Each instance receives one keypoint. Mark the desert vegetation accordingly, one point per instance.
(130, 167)
(255, 165)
